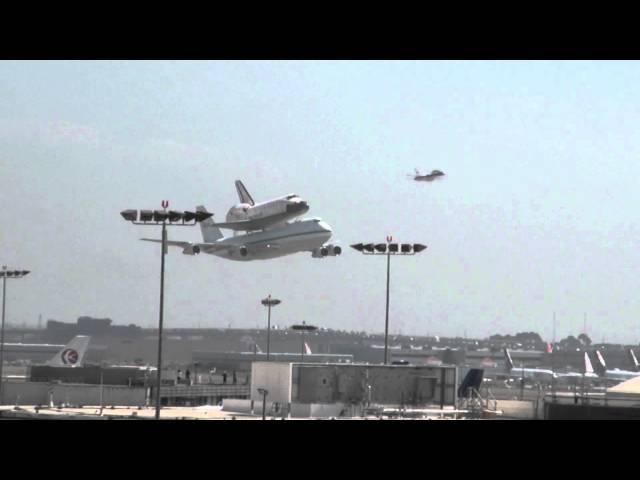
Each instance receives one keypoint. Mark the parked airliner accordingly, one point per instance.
(616, 373)
(542, 374)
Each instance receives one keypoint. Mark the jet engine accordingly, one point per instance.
(243, 251)
(326, 251)
(191, 250)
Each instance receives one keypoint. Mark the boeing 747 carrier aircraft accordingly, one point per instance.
(307, 235)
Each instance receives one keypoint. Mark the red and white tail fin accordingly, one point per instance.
(72, 353)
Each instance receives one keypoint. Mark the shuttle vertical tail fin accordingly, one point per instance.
(210, 233)
(72, 354)
(243, 193)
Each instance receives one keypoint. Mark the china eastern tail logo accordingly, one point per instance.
(69, 356)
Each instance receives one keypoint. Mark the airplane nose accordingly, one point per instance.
(325, 226)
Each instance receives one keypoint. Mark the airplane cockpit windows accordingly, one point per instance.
(292, 196)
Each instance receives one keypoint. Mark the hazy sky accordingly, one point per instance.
(537, 212)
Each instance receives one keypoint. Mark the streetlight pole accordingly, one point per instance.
(388, 249)
(6, 274)
(160, 218)
(264, 392)
(269, 302)
(159, 374)
(386, 318)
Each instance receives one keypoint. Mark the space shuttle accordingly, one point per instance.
(251, 216)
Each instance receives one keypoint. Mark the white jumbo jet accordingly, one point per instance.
(249, 215)
(546, 375)
(72, 354)
(307, 235)
(539, 374)
(616, 374)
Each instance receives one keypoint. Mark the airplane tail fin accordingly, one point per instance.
(507, 357)
(210, 233)
(634, 360)
(243, 193)
(601, 366)
(588, 367)
(307, 349)
(72, 353)
(472, 380)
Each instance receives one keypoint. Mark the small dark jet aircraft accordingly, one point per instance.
(429, 177)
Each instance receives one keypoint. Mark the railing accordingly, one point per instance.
(205, 390)
(476, 404)
(491, 403)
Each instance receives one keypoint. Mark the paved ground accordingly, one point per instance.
(173, 413)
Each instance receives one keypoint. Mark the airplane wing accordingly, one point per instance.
(171, 243)
(204, 247)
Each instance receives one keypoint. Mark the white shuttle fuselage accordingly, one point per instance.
(250, 216)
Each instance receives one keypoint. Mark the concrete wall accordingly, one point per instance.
(239, 405)
(275, 377)
(30, 393)
(387, 385)
(517, 409)
(557, 411)
(40, 393)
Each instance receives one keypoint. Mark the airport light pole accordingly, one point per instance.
(269, 302)
(264, 392)
(388, 249)
(160, 218)
(6, 274)
(303, 328)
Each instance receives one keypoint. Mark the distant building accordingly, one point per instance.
(95, 327)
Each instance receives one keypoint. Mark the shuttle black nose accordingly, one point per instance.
(297, 207)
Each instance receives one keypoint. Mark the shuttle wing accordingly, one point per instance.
(240, 225)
